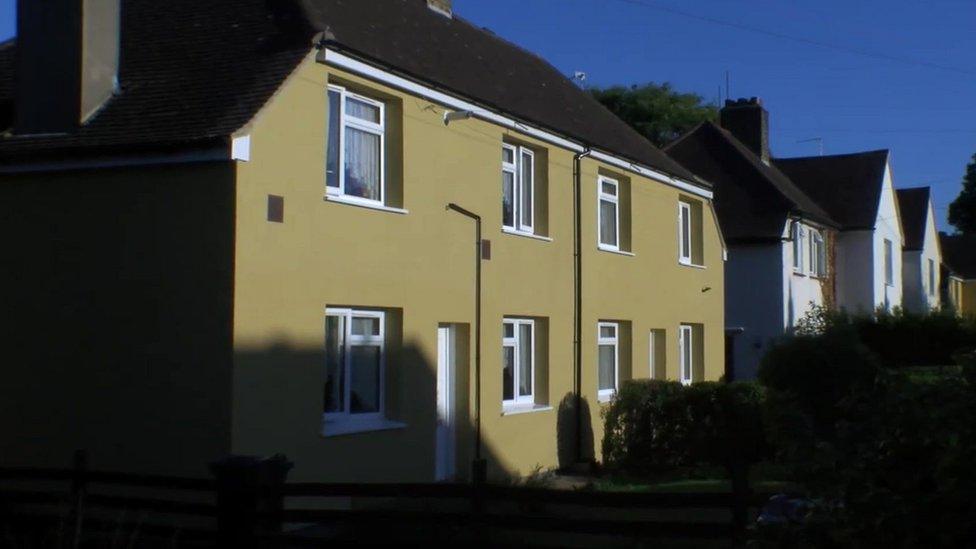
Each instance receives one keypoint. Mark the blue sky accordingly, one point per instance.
(862, 75)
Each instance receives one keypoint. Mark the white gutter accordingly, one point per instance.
(351, 64)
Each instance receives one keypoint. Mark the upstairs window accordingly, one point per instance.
(518, 188)
(354, 363)
(608, 212)
(889, 270)
(798, 235)
(356, 147)
(518, 361)
(684, 233)
(818, 254)
(931, 277)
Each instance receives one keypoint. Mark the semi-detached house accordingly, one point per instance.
(249, 227)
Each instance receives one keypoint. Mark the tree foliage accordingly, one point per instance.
(656, 111)
(962, 211)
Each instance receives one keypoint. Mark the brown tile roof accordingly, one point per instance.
(913, 205)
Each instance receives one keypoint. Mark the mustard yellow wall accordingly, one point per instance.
(421, 263)
(968, 298)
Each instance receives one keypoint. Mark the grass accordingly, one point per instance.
(765, 478)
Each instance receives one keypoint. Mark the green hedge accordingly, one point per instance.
(654, 426)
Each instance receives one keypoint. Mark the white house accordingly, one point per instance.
(778, 237)
(856, 190)
(922, 255)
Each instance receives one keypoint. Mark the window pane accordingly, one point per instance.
(508, 155)
(525, 359)
(332, 150)
(508, 373)
(362, 164)
(685, 233)
(362, 110)
(334, 363)
(508, 329)
(686, 355)
(608, 366)
(364, 379)
(608, 223)
(608, 331)
(365, 326)
(608, 188)
(508, 198)
(526, 190)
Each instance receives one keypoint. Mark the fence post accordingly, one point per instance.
(79, 479)
(249, 498)
(740, 501)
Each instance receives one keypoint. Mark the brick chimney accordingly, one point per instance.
(748, 121)
(442, 7)
(66, 64)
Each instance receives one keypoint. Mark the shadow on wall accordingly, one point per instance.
(566, 425)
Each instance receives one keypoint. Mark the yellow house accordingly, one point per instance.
(959, 263)
(383, 242)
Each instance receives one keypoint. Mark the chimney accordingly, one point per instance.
(66, 64)
(748, 121)
(442, 7)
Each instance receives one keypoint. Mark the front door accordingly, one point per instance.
(444, 461)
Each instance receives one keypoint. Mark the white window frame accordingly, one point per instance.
(605, 394)
(357, 340)
(889, 262)
(516, 343)
(362, 125)
(652, 355)
(615, 200)
(798, 234)
(818, 253)
(686, 331)
(684, 222)
(519, 225)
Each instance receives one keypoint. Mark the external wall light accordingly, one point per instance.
(451, 116)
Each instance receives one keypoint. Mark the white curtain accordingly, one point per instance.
(362, 163)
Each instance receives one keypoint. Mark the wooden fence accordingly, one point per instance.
(243, 510)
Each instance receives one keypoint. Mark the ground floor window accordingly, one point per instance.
(608, 357)
(354, 363)
(518, 361)
(686, 350)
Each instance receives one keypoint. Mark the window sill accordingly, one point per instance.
(799, 273)
(692, 265)
(516, 409)
(362, 204)
(513, 232)
(340, 427)
(614, 251)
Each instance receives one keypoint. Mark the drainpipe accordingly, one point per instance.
(479, 467)
(578, 296)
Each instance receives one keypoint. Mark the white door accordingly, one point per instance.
(444, 461)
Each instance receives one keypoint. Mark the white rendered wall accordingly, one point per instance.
(855, 271)
(801, 289)
(887, 226)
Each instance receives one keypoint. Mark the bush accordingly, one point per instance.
(816, 373)
(654, 426)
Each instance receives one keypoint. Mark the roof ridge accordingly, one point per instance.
(861, 153)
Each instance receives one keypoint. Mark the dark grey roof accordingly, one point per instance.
(913, 207)
(959, 254)
(847, 186)
(200, 69)
(752, 199)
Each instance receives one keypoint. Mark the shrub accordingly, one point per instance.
(654, 426)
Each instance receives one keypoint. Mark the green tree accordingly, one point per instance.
(962, 211)
(656, 111)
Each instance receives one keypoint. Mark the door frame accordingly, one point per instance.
(445, 437)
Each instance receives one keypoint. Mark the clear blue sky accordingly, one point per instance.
(862, 75)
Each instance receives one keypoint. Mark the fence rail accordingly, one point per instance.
(250, 513)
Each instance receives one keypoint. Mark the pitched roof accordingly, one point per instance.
(847, 186)
(959, 254)
(200, 69)
(752, 198)
(913, 205)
